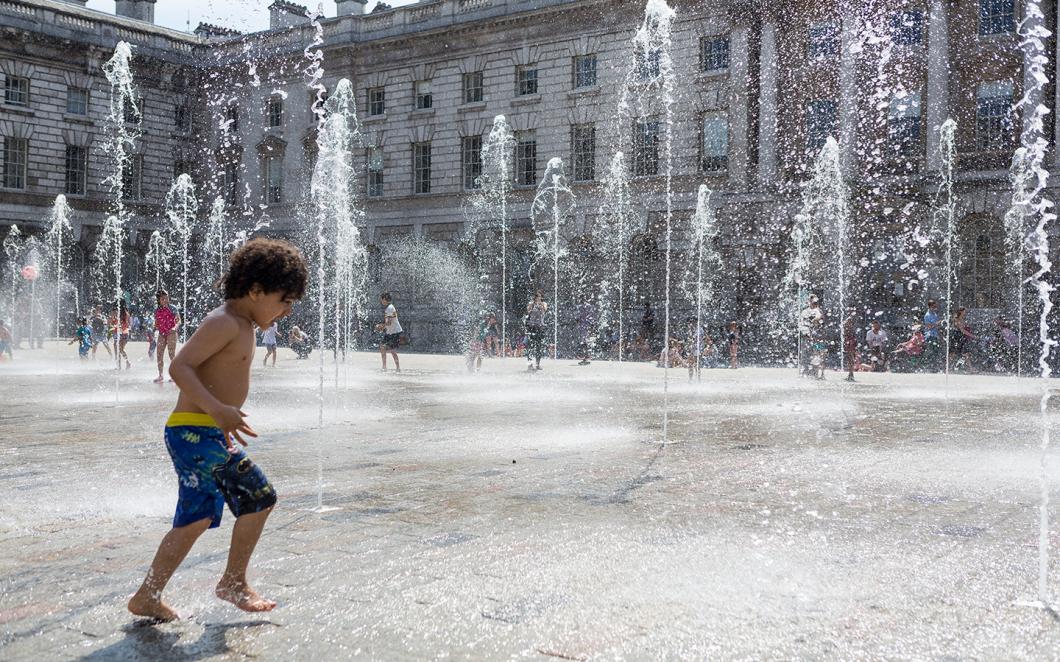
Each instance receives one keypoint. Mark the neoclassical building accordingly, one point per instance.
(760, 87)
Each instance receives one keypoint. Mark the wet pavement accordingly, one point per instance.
(511, 515)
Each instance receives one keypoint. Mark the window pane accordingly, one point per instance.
(715, 146)
(585, 71)
(473, 87)
(76, 169)
(823, 41)
(16, 156)
(907, 27)
(646, 147)
(820, 124)
(714, 53)
(583, 152)
(424, 98)
(376, 101)
(527, 81)
(76, 101)
(275, 113)
(274, 180)
(526, 158)
(471, 157)
(16, 90)
(421, 163)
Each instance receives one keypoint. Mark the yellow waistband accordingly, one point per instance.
(194, 419)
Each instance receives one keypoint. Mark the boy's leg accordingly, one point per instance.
(234, 586)
(397, 364)
(174, 547)
(160, 353)
(382, 353)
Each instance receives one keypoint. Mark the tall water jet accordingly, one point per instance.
(613, 232)
(215, 243)
(122, 129)
(1041, 209)
(552, 208)
(1016, 236)
(182, 210)
(488, 207)
(14, 243)
(819, 237)
(59, 238)
(700, 275)
(945, 220)
(157, 258)
(31, 271)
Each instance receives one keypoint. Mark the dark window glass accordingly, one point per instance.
(472, 84)
(76, 169)
(16, 159)
(76, 101)
(275, 113)
(823, 40)
(16, 90)
(375, 172)
(471, 158)
(907, 27)
(715, 147)
(585, 71)
(583, 152)
(526, 158)
(997, 17)
(421, 167)
(714, 53)
(646, 147)
(132, 178)
(526, 79)
(993, 118)
(820, 123)
(424, 98)
(376, 100)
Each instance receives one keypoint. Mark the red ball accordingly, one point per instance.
(29, 272)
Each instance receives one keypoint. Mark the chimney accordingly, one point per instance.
(351, 7)
(140, 10)
(283, 14)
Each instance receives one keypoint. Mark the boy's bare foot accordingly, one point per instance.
(160, 380)
(148, 607)
(244, 597)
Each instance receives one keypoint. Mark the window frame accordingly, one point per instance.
(274, 114)
(78, 167)
(583, 160)
(994, 126)
(905, 128)
(525, 158)
(274, 193)
(18, 181)
(822, 40)
(710, 57)
(472, 84)
(994, 19)
(901, 30)
(647, 140)
(710, 163)
(814, 143)
(421, 100)
(526, 80)
(132, 182)
(375, 167)
(10, 91)
(71, 100)
(584, 77)
(376, 101)
(471, 162)
(421, 167)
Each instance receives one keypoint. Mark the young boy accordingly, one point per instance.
(83, 338)
(391, 329)
(265, 277)
(166, 322)
(268, 338)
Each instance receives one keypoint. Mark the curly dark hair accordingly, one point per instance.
(274, 265)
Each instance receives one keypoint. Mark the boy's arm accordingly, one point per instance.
(212, 336)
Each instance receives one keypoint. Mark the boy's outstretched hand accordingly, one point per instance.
(230, 420)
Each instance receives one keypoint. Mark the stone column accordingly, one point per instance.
(938, 79)
(738, 106)
(848, 91)
(767, 105)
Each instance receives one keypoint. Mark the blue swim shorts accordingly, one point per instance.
(209, 475)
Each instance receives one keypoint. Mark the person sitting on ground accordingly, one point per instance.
(5, 341)
(299, 342)
(914, 346)
(876, 340)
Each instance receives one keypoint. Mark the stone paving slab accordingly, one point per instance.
(511, 516)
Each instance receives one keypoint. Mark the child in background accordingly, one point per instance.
(733, 338)
(268, 338)
(5, 341)
(166, 322)
(391, 330)
(82, 336)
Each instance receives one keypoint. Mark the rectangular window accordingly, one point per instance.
(993, 117)
(649, 64)
(421, 167)
(997, 17)
(820, 123)
(273, 180)
(424, 98)
(232, 119)
(646, 147)
(907, 27)
(76, 169)
(471, 158)
(182, 116)
(230, 183)
(16, 158)
(16, 90)
(715, 147)
(132, 178)
(526, 80)
(375, 172)
(714, 53)
(903, 126)
(583, 152)
(274, 112)
(526, 158)
(472, 86)
(823, 40)
(585, 71)
(76, 101)
(376, 100)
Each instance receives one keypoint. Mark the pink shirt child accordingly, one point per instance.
(165, 320)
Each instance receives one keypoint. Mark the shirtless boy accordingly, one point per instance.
(264, 280)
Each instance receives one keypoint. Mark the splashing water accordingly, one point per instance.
(945, 220)
(552, 208)
(14, 243)
(488, 208)
(700, 275)
(215, 245)
(1016, 237)
(158, 257)
(59, 238)
(1041, 208)
(122, 130)
(182, 211)
(614, 231)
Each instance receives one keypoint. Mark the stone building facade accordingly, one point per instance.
(760, 86)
